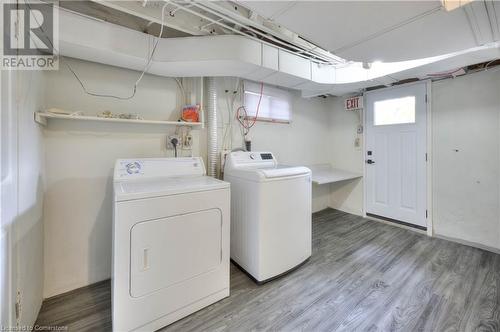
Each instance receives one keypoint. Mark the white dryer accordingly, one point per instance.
(170, 241)
(270, 214)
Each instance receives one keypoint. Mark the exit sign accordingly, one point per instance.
(353, 103)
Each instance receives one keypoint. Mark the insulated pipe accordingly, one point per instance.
(211, 107)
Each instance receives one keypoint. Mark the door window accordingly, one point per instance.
(394, 111)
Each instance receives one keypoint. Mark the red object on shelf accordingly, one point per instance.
(190, 113)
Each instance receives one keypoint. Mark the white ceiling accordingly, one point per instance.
(231, 55)
(386, 30)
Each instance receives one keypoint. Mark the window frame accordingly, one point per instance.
(269, 92)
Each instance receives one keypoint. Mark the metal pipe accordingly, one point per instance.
(217, 10)
(211, 108)
(297, 49)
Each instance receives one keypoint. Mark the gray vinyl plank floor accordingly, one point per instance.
(362, 276)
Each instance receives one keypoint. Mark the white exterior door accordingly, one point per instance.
(395, 154)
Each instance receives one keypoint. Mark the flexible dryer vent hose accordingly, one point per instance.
(212, 125)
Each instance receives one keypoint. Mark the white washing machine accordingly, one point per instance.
(170, 241)
(270, 214)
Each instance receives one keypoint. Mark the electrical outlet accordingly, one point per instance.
(359, 130)
(188, 141)
(170, 146)
(357, 142)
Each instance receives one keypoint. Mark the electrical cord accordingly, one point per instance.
(146, 68)
(230, 97)
(174, 142)
(243, 119)
(489, 63)
(181, 87)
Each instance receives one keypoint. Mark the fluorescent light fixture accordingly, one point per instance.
(450, 5)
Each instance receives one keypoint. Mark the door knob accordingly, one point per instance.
(369, 161)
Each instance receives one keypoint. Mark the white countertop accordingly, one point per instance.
(325, 173)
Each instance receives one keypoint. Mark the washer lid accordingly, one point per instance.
(283, 170)
(268, 173)
(164, 186)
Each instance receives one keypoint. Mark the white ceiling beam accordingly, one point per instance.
(479, 21)
(493, 9)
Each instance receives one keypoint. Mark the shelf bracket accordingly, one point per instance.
(40, 119)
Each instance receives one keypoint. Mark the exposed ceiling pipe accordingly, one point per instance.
(257, 22)
(264, 35)
(298, 51)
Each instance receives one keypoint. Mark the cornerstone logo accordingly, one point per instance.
(29, 36)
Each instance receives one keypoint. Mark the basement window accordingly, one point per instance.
(275, 104)
(394, 111)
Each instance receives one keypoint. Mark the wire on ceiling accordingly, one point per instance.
(146, 67)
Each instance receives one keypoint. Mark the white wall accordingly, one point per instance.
(346, 195)
(466, 152)
(28, 227)
(466, 199)
(302, 142)
(80, 159)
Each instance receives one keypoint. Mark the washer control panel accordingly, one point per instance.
(250, 159)
(266, 156)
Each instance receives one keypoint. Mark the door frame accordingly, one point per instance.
(428, 165)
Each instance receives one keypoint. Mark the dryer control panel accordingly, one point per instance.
(129, 169)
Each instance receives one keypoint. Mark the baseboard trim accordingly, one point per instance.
(347, 210)
(467, 243)
(77, 290)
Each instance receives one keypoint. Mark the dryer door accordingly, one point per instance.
(168, 251)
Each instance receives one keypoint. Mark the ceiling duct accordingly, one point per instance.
(201, 18)
(233, 55)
